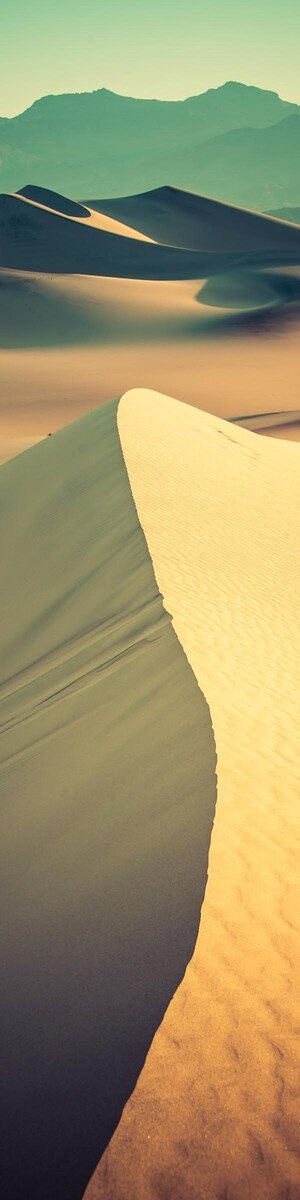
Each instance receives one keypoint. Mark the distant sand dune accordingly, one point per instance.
(280, 424)
(184, 219)
(53, 200)
(214, 1113)
(36, 238)
(93, 307)
(61, 205)
(69, 343)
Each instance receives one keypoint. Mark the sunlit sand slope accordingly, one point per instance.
(214, 1113)
(53, 202)
(107, 772)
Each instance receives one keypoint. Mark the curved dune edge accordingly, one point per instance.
(284, 425)
(63, 207)
(108, 789)
(214, 1110)
(180, 218)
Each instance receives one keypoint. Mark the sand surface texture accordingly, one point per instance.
(89, 308)
(107, 775)
(213, 1116)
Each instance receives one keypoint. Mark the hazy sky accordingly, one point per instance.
(164, 48)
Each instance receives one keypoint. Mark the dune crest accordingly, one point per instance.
(187, 220)
(108, 788)
(52, 202)
(216, 1100)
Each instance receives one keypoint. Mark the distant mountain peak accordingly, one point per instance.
(236, 142)
(236, 85)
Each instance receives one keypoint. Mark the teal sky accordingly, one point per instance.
(166, 48)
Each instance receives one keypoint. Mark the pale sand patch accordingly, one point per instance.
(213, 1115)
(101, 221)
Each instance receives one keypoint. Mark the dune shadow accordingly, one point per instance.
(260, 302)
(50, 199)
(108, 775)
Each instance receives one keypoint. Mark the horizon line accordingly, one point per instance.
(149, 99)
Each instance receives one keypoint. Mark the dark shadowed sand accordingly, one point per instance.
(108, 794)
(184, 219)
(54, 200)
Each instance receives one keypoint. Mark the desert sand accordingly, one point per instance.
(214, 1112)
(53, 203)
(184, 219)
(141, 298)
(108, 794)
(227, 343)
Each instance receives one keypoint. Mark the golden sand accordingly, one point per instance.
(97, 219)
(214, 1113)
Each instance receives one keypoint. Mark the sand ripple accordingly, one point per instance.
(214, 1113)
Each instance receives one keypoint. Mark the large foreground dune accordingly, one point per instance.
(110, 712)
(108, 793)
(90, 307)
(214, 1112)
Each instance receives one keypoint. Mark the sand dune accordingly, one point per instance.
(61, 205)
(70, 343)
(39, 239)
(214, 1112)
(53, 200)
(100, 309)
(108, 794)
(184, 219)
(278, 424)
(108, 753)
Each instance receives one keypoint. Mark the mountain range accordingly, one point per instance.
(238, 143)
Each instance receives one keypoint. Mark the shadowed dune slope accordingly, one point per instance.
(220, 510)
(108, 794)
(37, 239)
(184, 219)
(54, 200)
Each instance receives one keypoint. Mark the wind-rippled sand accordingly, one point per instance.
(213, 1116)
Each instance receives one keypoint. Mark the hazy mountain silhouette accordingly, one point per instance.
(286, 214)
(236, 142)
